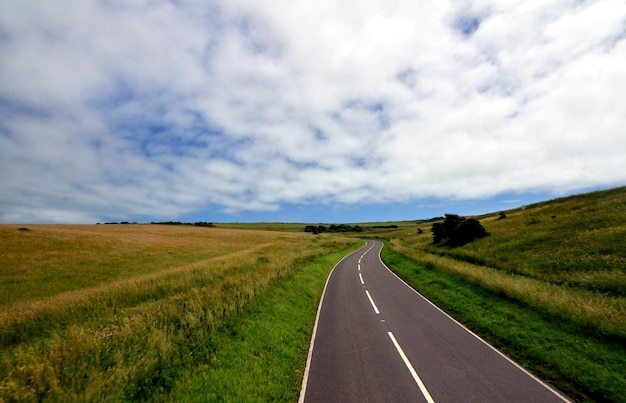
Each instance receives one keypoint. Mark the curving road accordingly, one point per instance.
(378, 340)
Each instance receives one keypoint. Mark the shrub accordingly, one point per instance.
(439, 233)
(457, 231)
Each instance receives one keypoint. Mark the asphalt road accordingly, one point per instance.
(378, 340)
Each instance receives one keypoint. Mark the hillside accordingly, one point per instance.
(576, 242)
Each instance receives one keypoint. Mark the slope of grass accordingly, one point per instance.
(134, 330)
(576, 242)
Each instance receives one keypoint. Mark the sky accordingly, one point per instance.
(305, 111)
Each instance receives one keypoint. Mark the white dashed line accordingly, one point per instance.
(372, 301)
(411, 369)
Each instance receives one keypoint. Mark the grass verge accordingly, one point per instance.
(582, 365)
(260, 354)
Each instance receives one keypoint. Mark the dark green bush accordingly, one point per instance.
(457, 231)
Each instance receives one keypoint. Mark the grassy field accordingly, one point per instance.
(553, 276)
(122, 312)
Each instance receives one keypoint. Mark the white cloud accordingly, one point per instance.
(158, 109)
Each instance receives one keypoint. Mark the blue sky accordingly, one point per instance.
(300, 111)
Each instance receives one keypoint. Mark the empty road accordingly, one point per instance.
(378, 340)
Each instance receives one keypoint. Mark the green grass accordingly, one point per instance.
(569, 262)
(576, 242)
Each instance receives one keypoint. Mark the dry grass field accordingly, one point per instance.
(112, 312)
(43, 260)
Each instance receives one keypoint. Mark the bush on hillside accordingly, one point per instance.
(457, 231)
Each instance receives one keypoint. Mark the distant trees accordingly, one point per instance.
(197, 224)
(457, 231)
(317, 229)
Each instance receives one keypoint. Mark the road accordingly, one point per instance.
(378, 340)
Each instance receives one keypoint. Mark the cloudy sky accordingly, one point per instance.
(305, 111)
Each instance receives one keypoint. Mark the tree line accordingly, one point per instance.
(318, 229)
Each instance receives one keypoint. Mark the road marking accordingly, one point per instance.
(372, 301)
(361, 277)
(411, 369)
(359, 266)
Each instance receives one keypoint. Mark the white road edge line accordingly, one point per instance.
(361, 277)
(411, 369)
(506, 357)
(372, 301)
(359, 265)
(307, 368)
